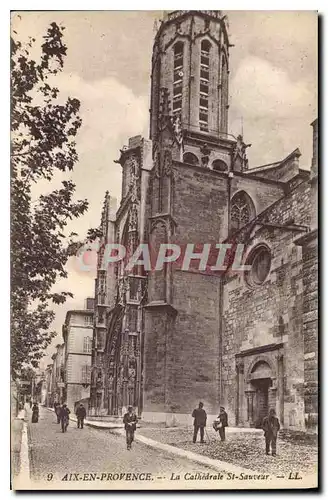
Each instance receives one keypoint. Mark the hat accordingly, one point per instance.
(222, 408)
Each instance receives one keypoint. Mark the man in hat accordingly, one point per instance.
(199, 416)
(80, 414)
(223, 422)
(130, 424)
(64, 417)
(271, 427)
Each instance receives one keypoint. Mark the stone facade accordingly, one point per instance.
(175, 336)
(78, 336)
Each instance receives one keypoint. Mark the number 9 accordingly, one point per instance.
(49, 477)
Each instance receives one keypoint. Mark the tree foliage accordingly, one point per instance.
(43, 131)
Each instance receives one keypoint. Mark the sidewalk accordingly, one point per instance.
(17, 425)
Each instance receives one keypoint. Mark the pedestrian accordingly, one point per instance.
(81, 414)
(130, 424)
(200, 417)
(64, 417)
(57, 411)
(35, 413)
(271, 427)
(221, 423)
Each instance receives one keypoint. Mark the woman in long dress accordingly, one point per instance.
(35, 413)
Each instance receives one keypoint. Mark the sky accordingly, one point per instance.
(273, 93)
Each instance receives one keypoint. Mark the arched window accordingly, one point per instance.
(242, 210)
(204, 84)
(219, 166)
(190, 158)
(177, 78)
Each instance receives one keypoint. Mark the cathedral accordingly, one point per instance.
(165, 339)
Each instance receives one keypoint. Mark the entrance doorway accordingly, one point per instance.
(261, 406)
(260, 381)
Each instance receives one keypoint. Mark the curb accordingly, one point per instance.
(23, 480)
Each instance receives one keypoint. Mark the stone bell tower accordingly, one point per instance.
(191, 60)
(188, 198)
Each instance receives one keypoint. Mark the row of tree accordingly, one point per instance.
(43, 132)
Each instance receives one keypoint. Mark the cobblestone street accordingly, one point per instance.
(97, 451)
(247, 449)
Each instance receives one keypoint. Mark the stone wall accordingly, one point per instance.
(309, 245)
(271, 313)
(262, 193)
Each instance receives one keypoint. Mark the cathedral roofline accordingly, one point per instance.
(269, 166)
(245, 174)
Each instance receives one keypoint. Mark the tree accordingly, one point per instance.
(43, 131)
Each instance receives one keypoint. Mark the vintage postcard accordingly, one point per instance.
(164, 250)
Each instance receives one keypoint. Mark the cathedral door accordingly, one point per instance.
(261, 400)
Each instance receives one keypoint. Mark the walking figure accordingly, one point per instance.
(35, 413)
(64, 417)
(81, 414)
(200, 417)
(130, 424)
(57, 411)
(271, 427)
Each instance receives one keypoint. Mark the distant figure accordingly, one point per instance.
(30, 402)
(64, 417)
(222, 422)
(200, 418)
(271, 427)
(35, 413)
(81, 414)
(57, 411)
(130, 424)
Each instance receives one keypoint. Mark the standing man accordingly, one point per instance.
(81, 414)
(64, 417)
(223, 419)
(271, 427)
(199, 415)
(130, 424)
